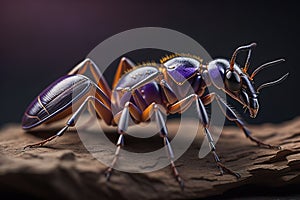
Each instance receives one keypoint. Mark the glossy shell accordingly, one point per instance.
(55, 99)
(135, 76)
(180, 69)
(217, 69)
(150, 91)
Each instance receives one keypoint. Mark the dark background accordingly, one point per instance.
(41, 40)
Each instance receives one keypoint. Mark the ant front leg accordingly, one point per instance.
(230, 115)
(202, 114)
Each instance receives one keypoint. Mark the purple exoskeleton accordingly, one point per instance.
(151, 89)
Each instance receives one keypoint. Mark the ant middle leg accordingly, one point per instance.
(153, 109)
(205, 122)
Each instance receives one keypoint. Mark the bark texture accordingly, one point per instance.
(64, 169)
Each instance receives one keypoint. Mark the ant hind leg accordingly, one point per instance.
(101, 109)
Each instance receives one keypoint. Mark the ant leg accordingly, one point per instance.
(139, 100)
(230, 115)
(91, 119)
(101, 109)
(120, 143)
(147, 113)
(41, 143)
(205, 122)
(82, 67)
(183, 104)
(124, 66)
(171, 157)
(71, 122)
(123, 121)
(168, 92)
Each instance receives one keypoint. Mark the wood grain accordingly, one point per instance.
(64, 169)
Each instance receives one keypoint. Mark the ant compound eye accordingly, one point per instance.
(233, 81)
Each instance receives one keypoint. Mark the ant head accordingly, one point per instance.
(235, 80)
(232, 79)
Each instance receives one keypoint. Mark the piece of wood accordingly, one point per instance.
(64, 169)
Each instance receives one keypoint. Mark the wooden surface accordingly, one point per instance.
(64, 169)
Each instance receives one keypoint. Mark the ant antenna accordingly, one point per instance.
(264, 66)
(242, 48)
(247, 63)
(272, 83)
